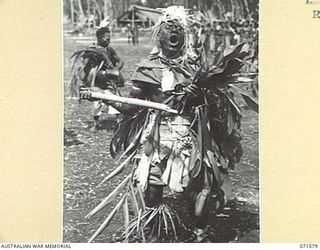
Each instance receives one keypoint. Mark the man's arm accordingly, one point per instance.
(125, 104)
(137, 91)
(119, 62)
(125, 108)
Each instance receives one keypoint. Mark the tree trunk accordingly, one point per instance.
(81, 8)
(222, 9)
(247, 9)
(88, 14)
(105, 8)
(72, 12)
(132, 19)
(98, 10)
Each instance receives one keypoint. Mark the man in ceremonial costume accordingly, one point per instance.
(100, 67)
(189, 151)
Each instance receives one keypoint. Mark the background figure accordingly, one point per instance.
(220, 37)
(235, 33)
(102, 79)
(99, 67)
(123, 30)
(136, 34)
(228, 35)
(130, 33)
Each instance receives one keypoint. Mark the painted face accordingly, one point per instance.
(104, 40)
(171, 38)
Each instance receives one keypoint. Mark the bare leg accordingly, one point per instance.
(96, 124)
(153, 195)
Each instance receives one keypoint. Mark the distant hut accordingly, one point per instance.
(139, 16)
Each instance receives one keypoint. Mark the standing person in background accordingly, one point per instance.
(136, 34)
(103, 80)
(100, 67)
(235, 33)
(228, 35)
(245, 31)
(130, 32)
(220, 37)
(123, 30)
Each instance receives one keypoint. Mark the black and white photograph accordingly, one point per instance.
(161, 128)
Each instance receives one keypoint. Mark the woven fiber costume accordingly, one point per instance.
(190, 152)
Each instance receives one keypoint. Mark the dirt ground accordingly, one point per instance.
(87, 161)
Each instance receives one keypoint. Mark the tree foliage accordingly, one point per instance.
(77, 10)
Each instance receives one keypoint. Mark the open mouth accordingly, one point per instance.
(173, 40)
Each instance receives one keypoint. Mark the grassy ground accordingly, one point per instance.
(87, 161)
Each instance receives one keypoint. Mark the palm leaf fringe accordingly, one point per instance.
(118, 169)
(111, 197)
(108, 220)
(160, 221)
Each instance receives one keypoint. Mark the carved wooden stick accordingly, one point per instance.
(133, 101)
